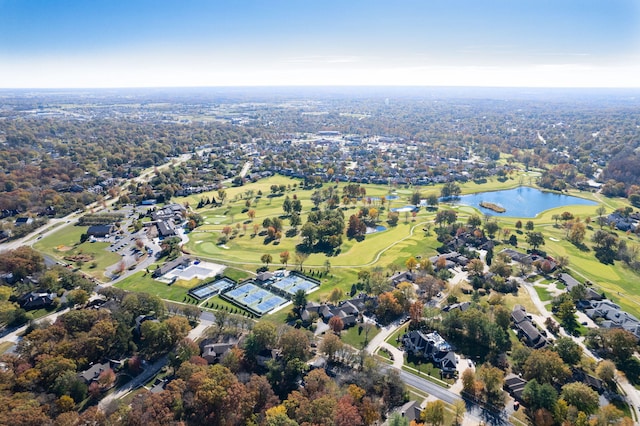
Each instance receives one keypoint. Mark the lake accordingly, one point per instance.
(522, 201)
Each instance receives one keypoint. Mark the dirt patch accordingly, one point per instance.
(63, 248)
(79, 258)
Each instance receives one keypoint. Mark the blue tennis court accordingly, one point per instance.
(255, 299)
(292, 283)
(241, 291)
(211, 288)
(270, 304)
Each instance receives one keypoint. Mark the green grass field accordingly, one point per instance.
(396, 244)
(139, 282)
(355, 336)
(66, 242)
(392, 246)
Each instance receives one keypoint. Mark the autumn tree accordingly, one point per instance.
(336, 324)
(411, 263)
(580, 396)
(433, 413)
(284, 258)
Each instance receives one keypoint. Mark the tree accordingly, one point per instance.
(396, 419)
(331, 345)
(336, 324)
(77, 297)
(433, 413)
(538, 396)
(446, 217)
(606, 371)
(415, 311)
(491, 228)
(450, 189)
(266, 259)
(492, 379)
(336, 295)
(535, 239)
(263, 336)
(580, 396)
(620, 343)
(287, 206)
(459, 408)
(294, 343)
(300, 257)
(284, 258)
(252, 214)
(529, 225)
(411, 263)
(600, 211)
(569, 351)
(545, 366)
(577, 233)
(299, 300)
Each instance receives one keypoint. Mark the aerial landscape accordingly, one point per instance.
(289, 213)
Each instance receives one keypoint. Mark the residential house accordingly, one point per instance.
(611, 316)
(213, 352)
(348, 310)
(431, 346)
(34, 300)
(525, 328)
(23, 221)
(91, 374)
(165, 229)
(515, 385)
(411, 411)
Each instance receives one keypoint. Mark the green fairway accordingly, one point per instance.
(396, 244)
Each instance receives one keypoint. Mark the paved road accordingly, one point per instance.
(150, 371)
(632, 395)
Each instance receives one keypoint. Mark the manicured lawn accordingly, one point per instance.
(65, 236)
(66, 242)
(139, 282)
(355, 336)
(427, 371)
(543, 294)
(393, 339)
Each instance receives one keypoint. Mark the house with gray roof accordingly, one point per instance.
(525, 328)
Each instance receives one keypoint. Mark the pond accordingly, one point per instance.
(521, 202)
(378, 228)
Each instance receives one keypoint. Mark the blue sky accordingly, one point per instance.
(117, 43)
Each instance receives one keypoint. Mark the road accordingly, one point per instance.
(149, 371)
(474, 415)
(632, 395)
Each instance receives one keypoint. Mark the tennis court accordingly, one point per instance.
(212, 288)
(293, 283)
(255, 299)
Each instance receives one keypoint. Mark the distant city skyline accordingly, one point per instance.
(160, 43)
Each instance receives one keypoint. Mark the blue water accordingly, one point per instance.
(378, 228)
(522, 201)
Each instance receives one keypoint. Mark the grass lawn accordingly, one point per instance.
(216, 303)
(355, 336)
(543, 294)
(139, 282)
(393, 339)
(427, 371)
(66, 242)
